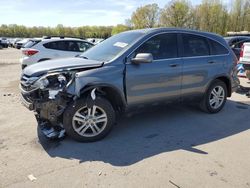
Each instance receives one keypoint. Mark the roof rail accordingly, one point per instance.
(240, 33)
(61, 37)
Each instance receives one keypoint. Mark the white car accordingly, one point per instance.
(245, 58)
(38, 50)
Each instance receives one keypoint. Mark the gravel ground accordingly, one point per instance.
(174, 146)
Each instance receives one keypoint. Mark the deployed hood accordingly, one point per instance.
(60, 65)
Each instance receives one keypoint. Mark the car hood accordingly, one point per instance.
(60, 65)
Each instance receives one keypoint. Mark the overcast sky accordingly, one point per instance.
(71, 12)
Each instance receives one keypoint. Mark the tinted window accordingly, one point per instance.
(162, 46)
(73, 46)
(194, 45)
(58, 45)
(217, 49)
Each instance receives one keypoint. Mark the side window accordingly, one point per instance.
(62, 45)
(73, 46)
(163, 46)
(194, 45)
(217, 49)
(83, 46)
(51, 45)
(57, 45)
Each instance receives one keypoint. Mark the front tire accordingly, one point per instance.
(89, 124)
(215, 97)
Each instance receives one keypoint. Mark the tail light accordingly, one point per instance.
(30, 52)
(242, 50)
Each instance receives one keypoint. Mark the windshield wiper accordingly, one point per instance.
(84, 57)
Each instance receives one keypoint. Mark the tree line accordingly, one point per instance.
(210, 15)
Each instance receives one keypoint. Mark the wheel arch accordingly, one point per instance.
(110, 92)
(226, 80)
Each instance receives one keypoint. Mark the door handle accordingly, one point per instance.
(211, 62)
(173, 65)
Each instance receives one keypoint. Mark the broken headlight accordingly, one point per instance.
(53, 81)
(41, 83)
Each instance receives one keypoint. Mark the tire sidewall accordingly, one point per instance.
(75, 106)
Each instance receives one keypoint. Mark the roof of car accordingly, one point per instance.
(63, 38)
(162, 29)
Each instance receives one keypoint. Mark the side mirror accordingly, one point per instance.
(142, 58)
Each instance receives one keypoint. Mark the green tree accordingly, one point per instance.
(145, 16)
(240, 15)
(176, 14)
(212, 16)
(119, 28)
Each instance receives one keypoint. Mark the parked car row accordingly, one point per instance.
(84, 95)
(19, 43)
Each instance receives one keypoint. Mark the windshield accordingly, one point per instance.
(110, 48)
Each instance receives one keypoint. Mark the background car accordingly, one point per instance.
(38, 50)
(14, 41)
(4, 42)
(21, 43)
(245, 58)
(235, 42)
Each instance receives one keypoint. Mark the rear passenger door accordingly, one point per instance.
(199, 64)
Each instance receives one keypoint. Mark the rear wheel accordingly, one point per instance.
(88, 124)
(215, 97)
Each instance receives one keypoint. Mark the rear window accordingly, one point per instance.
(31, 43)
(217, 49)
(194, 45)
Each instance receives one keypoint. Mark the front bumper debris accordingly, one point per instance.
(51, 132)
(26, 103)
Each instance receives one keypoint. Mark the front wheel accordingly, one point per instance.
(215, 97)
(88, 124)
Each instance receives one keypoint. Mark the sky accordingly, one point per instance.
(71, 12)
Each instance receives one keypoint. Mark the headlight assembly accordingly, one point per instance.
(41, 83)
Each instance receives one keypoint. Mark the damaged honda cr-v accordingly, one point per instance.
(83, 95)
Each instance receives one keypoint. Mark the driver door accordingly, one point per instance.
(159, 80)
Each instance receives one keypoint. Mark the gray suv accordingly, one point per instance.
(83, 96)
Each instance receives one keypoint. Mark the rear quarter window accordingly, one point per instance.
(31, 43)
(217, 48)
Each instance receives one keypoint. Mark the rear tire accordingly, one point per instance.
(89, 124)
(215, 97)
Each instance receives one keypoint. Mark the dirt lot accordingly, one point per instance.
(178, 146)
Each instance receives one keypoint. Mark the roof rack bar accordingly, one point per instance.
(61, 37)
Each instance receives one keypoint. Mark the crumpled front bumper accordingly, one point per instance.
(48, 115)
(26, 103)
